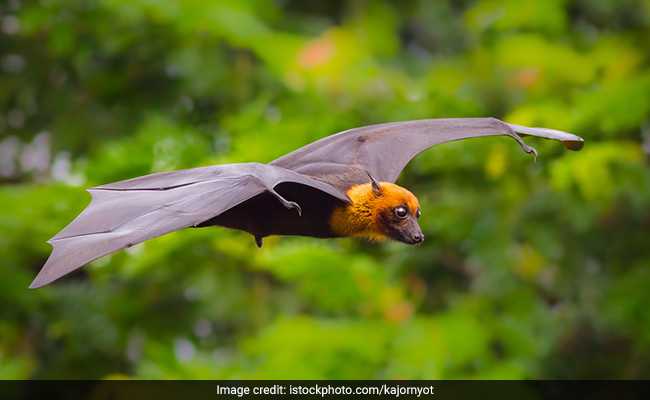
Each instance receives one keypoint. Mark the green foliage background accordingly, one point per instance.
(530, 269)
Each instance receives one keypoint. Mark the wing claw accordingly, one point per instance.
(288, 204)
(296, 206)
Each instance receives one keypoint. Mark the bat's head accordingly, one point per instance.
(379, 211)
(397, 211)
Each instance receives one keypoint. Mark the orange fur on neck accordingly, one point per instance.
(360, 218)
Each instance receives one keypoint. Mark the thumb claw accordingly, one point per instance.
(287, 203)
(296, 206)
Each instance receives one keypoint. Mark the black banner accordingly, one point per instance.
(127, 389)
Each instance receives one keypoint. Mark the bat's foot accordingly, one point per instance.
(259, 241)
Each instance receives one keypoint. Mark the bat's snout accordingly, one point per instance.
(411, 233)
(418, 238)
(415, 238)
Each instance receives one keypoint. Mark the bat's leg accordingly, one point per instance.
(259, 241)
(287, 203)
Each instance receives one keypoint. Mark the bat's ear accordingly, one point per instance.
(376, 189)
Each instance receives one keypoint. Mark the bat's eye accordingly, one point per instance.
(401, 212)
(418, 213)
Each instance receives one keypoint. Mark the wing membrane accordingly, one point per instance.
(384, 150)
(129, 212)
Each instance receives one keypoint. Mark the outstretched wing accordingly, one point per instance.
(384, 150)
(124, 213)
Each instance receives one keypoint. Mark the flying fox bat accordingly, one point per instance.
(339, 186)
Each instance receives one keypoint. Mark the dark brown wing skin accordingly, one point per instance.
(129, 212)
(384, 150)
